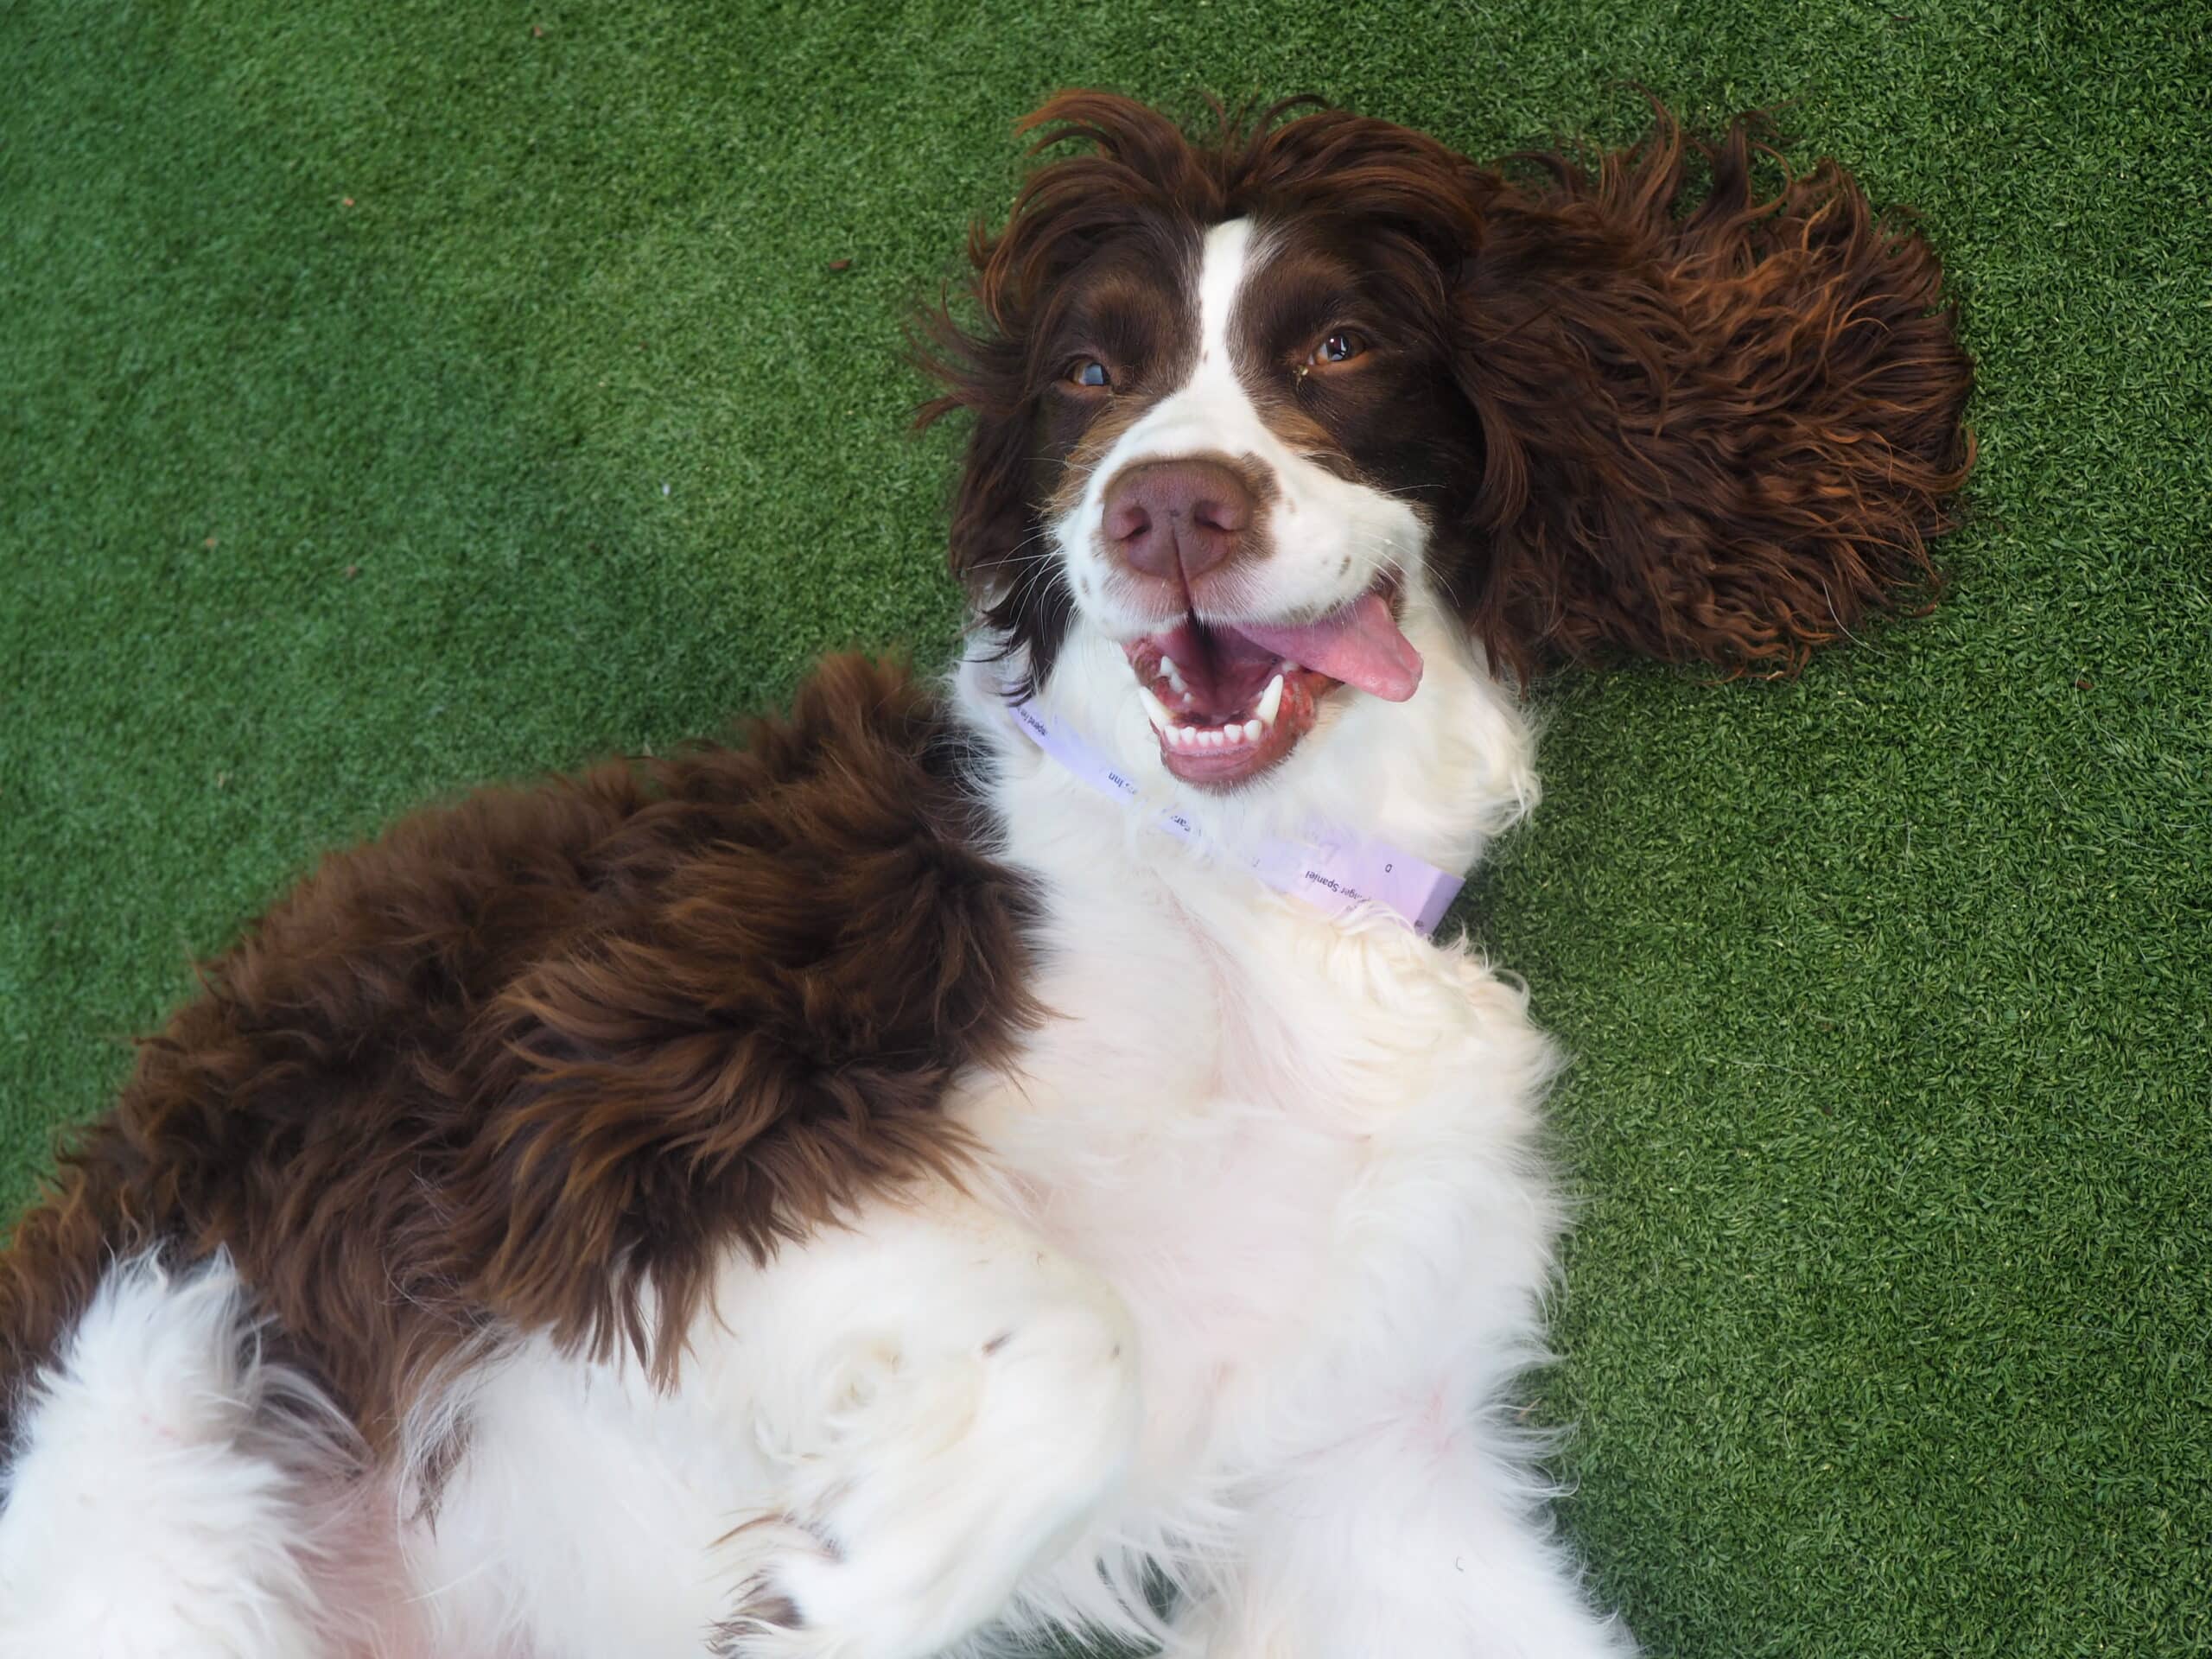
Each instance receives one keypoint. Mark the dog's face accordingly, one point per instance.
(1240, 432)
(1247, 425)
(1282, 426)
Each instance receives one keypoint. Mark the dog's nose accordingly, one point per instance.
(1163, 517)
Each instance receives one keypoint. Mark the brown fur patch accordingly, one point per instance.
(529, 1057)
(1720, 436)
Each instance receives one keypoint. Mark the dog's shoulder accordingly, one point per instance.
(538, 1058)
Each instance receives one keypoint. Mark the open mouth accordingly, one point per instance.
(1230, 700)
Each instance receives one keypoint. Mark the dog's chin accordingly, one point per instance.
(1229, 701)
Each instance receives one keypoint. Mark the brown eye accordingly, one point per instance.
(1341, 346)
(1089, 371)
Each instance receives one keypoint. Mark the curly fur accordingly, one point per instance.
(532, 1062)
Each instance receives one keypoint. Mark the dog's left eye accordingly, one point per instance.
(1341, 346)
(1089, 371)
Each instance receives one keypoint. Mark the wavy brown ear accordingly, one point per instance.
(1718, 435)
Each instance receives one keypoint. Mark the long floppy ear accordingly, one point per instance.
(996, 544)
(1134, 159)
(1720, 435)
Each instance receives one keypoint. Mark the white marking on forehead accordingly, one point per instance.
(1331, 537)
(1221, 266)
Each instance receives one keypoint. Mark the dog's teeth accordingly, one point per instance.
(1232, 733)
(1212, 738)
(1270, 702)
(1156, 711)
(1174, 674)
(1252, 730)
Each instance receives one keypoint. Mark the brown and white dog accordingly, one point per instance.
(969, 1158)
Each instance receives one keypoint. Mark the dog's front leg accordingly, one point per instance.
(945, 1404)
(1395, 1517)
(870, 1441)
(1411, 1540)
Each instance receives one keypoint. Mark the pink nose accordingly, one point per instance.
(1166, 516)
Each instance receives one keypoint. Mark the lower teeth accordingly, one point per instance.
(1232, 733)
(1215, 737)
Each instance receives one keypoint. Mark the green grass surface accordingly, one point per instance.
(396, 396)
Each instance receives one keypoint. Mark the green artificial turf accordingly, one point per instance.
(396, 397)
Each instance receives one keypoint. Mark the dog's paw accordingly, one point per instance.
(768, 1624)
(949, 1476)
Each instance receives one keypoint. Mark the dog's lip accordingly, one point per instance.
(1223, 745)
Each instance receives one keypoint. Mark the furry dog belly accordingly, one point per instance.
(1301, 1155)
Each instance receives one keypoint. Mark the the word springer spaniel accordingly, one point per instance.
(968, 1162)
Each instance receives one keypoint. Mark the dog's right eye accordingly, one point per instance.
(1089, 371)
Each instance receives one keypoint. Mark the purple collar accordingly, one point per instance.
(1331, 870)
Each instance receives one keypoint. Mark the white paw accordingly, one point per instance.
(943, 1478)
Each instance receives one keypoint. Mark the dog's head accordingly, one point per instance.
(1271, 419)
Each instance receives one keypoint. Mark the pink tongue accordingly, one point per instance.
(1359, 645)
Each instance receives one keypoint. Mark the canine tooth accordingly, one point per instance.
(1174, 674)
(1270, 702)
(1156, 711)
(1252, 730)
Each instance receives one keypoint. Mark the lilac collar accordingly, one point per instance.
(1331, 870)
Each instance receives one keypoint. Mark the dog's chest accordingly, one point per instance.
(1216, 1100)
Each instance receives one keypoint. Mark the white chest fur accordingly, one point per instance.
(1296, 1147)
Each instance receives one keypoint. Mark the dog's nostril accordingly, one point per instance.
(1125, 518)
(1228, 516)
